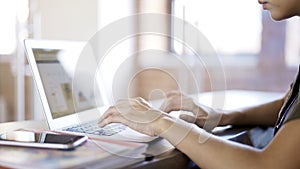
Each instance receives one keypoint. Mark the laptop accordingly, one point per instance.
(72, 98)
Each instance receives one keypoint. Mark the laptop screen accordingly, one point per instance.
(56, 67)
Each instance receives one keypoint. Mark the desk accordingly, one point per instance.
(173, 158)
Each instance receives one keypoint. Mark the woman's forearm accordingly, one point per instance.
(264, 114)
(206, 150)
(211, 152)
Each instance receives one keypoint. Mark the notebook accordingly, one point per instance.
(73, 98)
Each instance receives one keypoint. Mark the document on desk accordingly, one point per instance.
(93, 154)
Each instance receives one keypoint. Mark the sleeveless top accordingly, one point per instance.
(291, 107)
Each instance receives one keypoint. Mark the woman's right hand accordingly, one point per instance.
(177, 101)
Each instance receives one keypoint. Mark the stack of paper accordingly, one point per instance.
(98, 153)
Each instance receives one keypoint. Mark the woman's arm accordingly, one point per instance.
(212, 152)
(264, 114)
(204, 149)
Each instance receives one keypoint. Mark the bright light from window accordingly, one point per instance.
(292, 49)
(11, 12)
(232, 26)
(8, 26)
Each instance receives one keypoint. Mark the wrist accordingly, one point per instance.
(229, 118)
(174, 129)
(163, 124)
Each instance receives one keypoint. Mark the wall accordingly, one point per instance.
(7, 92)
(75, 20)
(67, 19)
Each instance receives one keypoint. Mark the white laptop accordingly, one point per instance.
(72, 105)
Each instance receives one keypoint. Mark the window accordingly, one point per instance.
(11, 13)
(233, 27)
(256, 52)
(13, 29)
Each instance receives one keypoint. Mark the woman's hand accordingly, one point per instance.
(136, 114)
(176, 101)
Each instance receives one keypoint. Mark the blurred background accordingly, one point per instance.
(256, 52)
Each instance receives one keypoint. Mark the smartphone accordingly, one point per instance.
(41, 140)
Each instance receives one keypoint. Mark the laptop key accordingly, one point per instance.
(92, 128)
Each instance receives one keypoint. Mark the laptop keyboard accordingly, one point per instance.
(92, 128)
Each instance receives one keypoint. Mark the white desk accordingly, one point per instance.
(238, 98)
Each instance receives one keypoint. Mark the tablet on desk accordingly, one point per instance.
(41, 140)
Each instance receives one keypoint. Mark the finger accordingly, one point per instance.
(112, 118)
(170, 105)
(163, 106)
(141, 105)
(173, 93)
(139, 99)
(169, 110)
(104, 122)
(166, 108)
(144, 102)
(108, 113)
(188, 118)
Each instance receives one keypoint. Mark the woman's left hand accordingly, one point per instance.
(136, 114)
